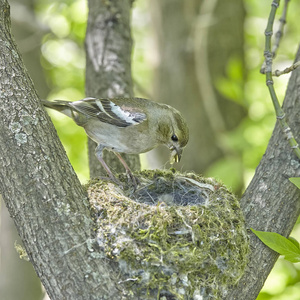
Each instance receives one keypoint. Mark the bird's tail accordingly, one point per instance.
(59, 105)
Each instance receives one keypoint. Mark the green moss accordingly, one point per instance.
(177, 236)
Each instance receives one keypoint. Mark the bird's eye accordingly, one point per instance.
(174, 138)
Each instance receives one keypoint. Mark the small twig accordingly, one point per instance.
(278, 34)
(278, 73)
(270, 84)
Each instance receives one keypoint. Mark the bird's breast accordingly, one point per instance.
(129, 139)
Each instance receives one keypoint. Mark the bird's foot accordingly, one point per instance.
(132, 179)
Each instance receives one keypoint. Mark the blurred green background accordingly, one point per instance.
(61, 25)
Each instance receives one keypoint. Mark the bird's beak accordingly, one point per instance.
(175, 154)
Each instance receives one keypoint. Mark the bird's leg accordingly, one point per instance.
(128, 171)
(99, 155)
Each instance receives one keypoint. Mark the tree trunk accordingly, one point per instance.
(51, 211)
(13, 269)
(39, 187)
(271, 201)
(196, 40)
(108, 65)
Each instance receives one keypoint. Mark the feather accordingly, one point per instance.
(108, 112)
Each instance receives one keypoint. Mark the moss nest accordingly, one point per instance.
(178, 236)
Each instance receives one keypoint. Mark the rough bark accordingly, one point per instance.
(108, 65)
(50, 208)
(271, 201)
(38, 184)
(13, 269)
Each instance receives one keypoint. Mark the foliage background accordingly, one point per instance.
(62, 27)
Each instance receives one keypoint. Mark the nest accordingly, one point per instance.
(175, 237)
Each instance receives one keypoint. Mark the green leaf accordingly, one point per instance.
(295, 181)
(280, 244)
(294, 241)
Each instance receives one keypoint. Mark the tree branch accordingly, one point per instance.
(50, 208)
(271, 201)
(270, 84)
(287, 70)
(39, 186)
(108, 65)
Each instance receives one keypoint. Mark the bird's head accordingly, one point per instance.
(174, 133)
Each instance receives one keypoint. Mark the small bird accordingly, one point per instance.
(127, 125)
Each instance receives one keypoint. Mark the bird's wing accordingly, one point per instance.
(108, 112)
